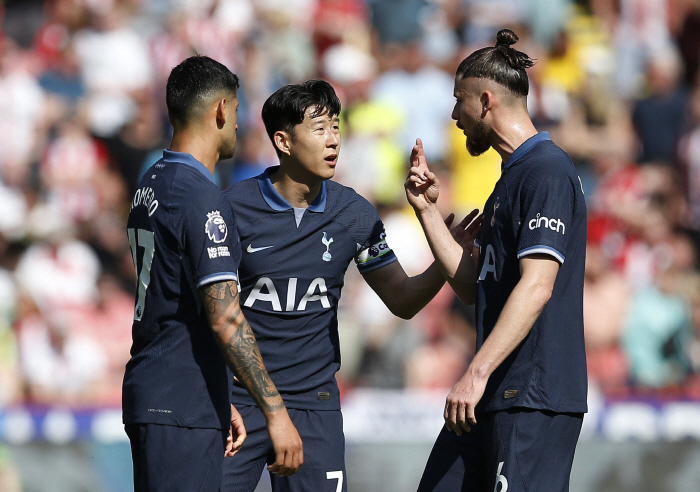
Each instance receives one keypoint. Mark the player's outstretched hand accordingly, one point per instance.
(461, 402)
(466, 232)
(236, 434)
(289, 450)
(422, 186)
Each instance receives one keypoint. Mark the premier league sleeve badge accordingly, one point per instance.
(215, 227)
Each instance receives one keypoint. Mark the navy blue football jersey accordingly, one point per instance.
(537, 206)
(182, 237)
(291, 275)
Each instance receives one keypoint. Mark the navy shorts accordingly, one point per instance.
(170, 458)
(515, 450)
(324, 454)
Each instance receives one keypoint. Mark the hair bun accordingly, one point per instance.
(506, 37)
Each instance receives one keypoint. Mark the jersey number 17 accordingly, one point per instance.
(145, 241)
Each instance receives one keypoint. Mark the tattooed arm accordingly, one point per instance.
(237, 342)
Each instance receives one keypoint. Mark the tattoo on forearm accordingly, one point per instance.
(237, 341)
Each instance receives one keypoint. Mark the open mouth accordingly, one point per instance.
(331, 159)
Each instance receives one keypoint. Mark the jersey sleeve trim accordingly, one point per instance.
(542, 249)
(217, 277)
(378, 262)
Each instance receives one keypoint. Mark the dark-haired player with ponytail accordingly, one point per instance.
(513, 420)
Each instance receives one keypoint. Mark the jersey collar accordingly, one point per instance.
(275, 200)
(525, 148)
(184, 158)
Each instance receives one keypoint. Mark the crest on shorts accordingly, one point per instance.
(216, 227)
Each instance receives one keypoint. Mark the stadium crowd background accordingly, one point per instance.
(82, 115)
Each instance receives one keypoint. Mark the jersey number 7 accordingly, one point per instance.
(145, 241)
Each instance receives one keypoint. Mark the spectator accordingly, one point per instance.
(429, 89)
(107, 322)
(59, 366)
(114, 62)
(58, 271)
(606, 299)
(21, 117)
(659, 117)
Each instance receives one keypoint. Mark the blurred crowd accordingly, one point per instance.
(82, 115)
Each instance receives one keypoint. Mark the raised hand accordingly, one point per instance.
(466, 232)
(422, 186)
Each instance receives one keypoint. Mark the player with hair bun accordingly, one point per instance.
(513, 420)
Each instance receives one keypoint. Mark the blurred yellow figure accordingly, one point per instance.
(473, 178)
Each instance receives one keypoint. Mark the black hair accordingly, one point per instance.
(285, 109)
(192, 82)
(501, 63)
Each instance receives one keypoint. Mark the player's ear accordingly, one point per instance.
(486, 102)
(220, 112)
(282, 141)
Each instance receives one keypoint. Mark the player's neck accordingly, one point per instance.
(198, 146)
(511, 134)
(297, 192)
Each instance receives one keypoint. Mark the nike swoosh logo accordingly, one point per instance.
(251, 249)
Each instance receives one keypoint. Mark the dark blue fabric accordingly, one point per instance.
(291, 279)
(324, 452)
(537, 206)
(163, 458)
(521, 449)
(179, 223)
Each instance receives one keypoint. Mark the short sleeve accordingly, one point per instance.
(210, 238)
(366, 227)
(546, 208)
(376, 253)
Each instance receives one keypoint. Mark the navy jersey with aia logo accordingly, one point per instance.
(182, 237)
(291, 275)
(537, 207)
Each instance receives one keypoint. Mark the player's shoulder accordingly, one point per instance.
(342, 199)
(546, 159)
(243, 186)
(553, 157)
(243, 191)
(188, 177)
(353, 211)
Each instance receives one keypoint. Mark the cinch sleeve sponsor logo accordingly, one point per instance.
(542, 221)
